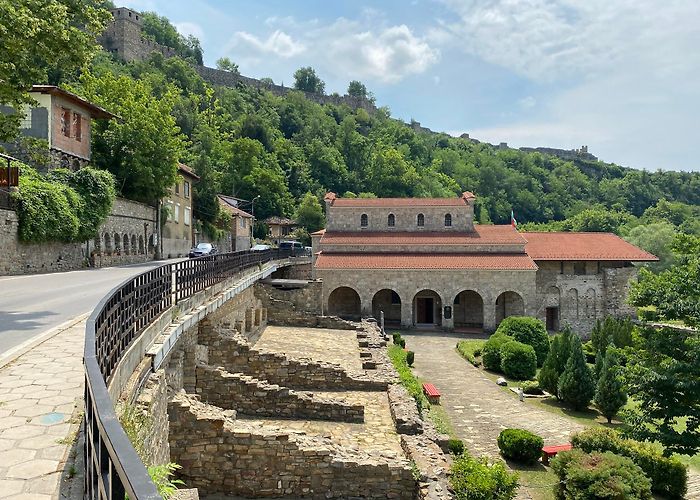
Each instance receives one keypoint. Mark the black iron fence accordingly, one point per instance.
(112, 467)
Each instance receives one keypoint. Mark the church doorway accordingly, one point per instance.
(426, 309)
(552, 319)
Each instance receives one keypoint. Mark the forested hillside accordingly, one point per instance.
(247, 142)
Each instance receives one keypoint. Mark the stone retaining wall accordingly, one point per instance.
(222, 455)
(250, 396)
(295, 307)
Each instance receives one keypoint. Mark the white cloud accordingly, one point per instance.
(527, 102)
(278, 43)
(188, 28)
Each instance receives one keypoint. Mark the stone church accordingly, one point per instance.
(425, 263)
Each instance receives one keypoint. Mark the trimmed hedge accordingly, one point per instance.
(477, 479)
(456, 446)
(398, 358)
(471, 350)
(518, 360)
(595, 476)
(668, 475)
(491, 353)
(520, 445)
(530, 331)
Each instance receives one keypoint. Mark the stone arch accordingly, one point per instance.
(132, 246)
(572, 303)
(591, 311)
(97, 242)
(108, 243)
(117, 243)
(344, 302)
(391, 220)
(125, 244)
(468, 309)
(142, 249)
(389, 301)
(509, 303)
(420, 220)
(427, 308)
(448, 220)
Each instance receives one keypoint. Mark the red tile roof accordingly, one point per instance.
(583, 246)
(187, 170)
(487, 261)
(399, 202)
(482, 235)
(95, 110)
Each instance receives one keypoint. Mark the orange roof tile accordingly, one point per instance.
(424, 261)
(583, 246)
(482, 235)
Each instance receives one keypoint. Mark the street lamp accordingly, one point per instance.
(252, 212)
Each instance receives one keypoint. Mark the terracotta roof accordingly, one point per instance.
(399, 202)
(187, 170)
(95, 110)
(229, 204)
(583, 246)
(320, 232)
(424, 261)
(282, 221)
(482, 235)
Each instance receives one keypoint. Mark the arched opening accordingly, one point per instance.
(420, 222)
(151, 244)
(509, 304)
(391, 220)
(448, 220)
(572, 300)
(468, 310)
(591, 309)
(125, 244)
(388, 301)
(108, 244)
(117, 243)
(552, 308)
(133, 244)
(427, 308)
(141, 247)
(363, 220)
(344, 302)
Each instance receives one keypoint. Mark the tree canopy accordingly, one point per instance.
(306, 79)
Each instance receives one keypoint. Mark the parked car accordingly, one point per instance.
(295, 246)
(260, 247)
(202, 249)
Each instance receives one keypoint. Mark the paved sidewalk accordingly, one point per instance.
(40, 410)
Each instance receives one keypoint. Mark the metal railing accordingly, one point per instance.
(112, 467)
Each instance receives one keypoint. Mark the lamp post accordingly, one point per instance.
(252, 212)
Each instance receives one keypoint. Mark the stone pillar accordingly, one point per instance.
(406, 313)
(489, 315)
(448, 323)
(365, 306)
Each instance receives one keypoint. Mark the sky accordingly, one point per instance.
(620, 76)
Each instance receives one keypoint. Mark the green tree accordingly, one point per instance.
(143, 146)
(657, 239)
(37, 37)
(610, 393)
(357, 89)
(309, 214)
(576, 386)
(306, 79)
(554, 364)
(162, 31)
(225, 64)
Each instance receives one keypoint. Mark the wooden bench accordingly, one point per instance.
(551, 451)
(433, 394)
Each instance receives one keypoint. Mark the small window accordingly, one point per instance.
(171, 211)
(177, 213)
(579, 268)
(363, 220)
(561, 270)
(186, 189)
(391, 220)
(177, 188)
(187, 216)
(65, 122)
(421, 220)
(243, 222)
(448, 220)
(78, 126)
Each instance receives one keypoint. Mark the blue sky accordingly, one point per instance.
(621, 76)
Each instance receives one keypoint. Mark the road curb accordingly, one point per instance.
(17, 351)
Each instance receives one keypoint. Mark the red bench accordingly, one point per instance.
(551, 451)
(433, 394)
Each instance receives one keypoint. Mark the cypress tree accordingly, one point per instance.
(576, 386)
(599, 359)
(610, 394)
(555, 362)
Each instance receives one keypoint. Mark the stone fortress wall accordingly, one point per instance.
(124, 39)
(124, 238)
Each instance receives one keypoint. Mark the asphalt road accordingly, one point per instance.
(31, 305)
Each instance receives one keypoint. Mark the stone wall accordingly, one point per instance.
(348, 218)
(250, 396)
(297, 272)
(222, 455)
(299, 306)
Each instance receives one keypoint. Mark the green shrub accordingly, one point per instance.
(518, 360)
(456, 446)
(398, 358)
(476, 479)
(492, 351)
(410, 357)
(554, 365)
(470, 350)
(610, 393)
(530, 331)
(576, 386)
(520, 445)
(402, 343)
(668, 475)
(648, 313)
(531, 387)
(596, 476)
(162, 477)
(396, 337)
